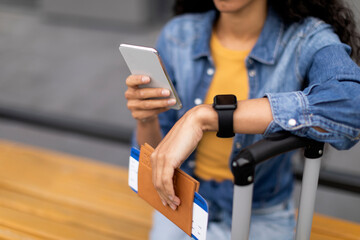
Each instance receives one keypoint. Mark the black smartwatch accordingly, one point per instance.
(225, 106)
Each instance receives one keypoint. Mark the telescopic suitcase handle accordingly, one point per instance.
(243, 169)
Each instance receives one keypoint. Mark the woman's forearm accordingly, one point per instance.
(252, 116)
(149, 132)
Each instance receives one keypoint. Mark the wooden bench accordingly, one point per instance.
(49, 195)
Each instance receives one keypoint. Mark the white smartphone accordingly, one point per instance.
(146, 61)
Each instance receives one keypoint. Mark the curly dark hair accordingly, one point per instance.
(334, 12)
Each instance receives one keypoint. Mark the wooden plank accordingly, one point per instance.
(319, 236)
(7, 233)
(140, 215)
(65, 215)
(64, 178)
(43, 228)
(58, 196)
(335, 228)
(19, 158)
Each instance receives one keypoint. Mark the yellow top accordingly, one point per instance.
(213, 153)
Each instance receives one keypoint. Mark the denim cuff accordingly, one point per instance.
(289, 110)
(291, 113)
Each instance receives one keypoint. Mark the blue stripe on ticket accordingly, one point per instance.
(133, 169)
(135, 153)
(200, 201)
(200, 218)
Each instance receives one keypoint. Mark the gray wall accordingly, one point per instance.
(133, 12)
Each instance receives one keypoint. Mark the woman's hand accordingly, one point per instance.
(177, 145)
(140, 100)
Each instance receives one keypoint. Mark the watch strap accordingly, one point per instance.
(226, 123)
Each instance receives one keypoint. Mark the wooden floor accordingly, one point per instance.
(48, 195)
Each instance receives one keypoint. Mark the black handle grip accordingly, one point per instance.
(243, 166)
(272, 146)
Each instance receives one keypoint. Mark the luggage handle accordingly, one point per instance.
(243, 169)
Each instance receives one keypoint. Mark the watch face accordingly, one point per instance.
(225, 99)
(225, 102)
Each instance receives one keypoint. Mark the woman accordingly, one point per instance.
(289, 70)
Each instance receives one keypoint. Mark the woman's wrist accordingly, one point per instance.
(147, 121)
(206, 117)
(149, 131)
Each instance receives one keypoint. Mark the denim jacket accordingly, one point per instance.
(302, 68)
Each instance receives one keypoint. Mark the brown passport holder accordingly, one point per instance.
(185, 187)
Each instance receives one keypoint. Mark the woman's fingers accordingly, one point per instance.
(146, 103)
(146, 98)
(136, 80)
(151, 104)
(164, 162)
(163, 180)
(146, 93)
(168, 187)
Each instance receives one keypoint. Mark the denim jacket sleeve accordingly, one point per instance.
(331, 99)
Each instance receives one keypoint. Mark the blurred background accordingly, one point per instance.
(62, 83)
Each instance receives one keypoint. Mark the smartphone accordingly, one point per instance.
(146, 61)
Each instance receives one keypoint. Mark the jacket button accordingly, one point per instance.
(238, 145)
(210, 71)
(191, 164)
(198, 101)
(252, 73)
(292, 122)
